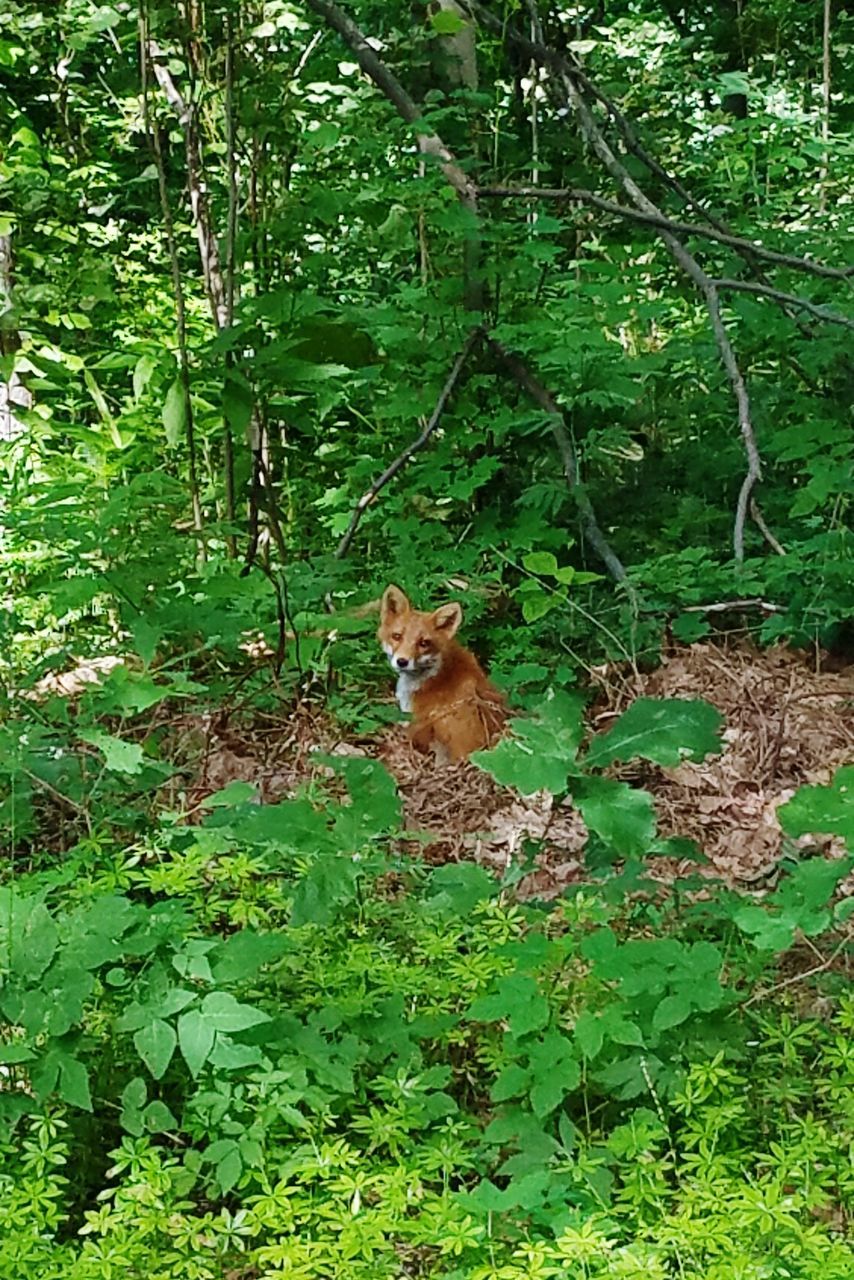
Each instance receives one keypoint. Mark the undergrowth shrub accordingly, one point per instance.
(269, 1044)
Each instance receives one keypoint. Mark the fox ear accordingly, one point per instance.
(394, 602)
(447, 618)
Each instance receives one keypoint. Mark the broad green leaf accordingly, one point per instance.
(74, 1083)
(663, 730)
(671, 1011)
(541, 562)
(517, 999)
(510, 1083)
(33, 936)
(822, 810)
(589, 1033)
(243, 954)
(554, 1071)
(195, 1039)
(120, 756)
(157, 1118)
(229, 1169)
(155, 1044)
(143, 370)
(621, 815)
(224, 1013)
(237, 402)
(447, 23)
(175, 413)
(542, 752)
(232, 794)
(133, 1099)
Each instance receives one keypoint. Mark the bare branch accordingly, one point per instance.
(724, 606)
(385, 79)
(208, 249)
(676, 227)
(785, 299)
(540, 394)
(153, 136)
(759, 520)
(567, 64)
(595, 138)
(472, 341)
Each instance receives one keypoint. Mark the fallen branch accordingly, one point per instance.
(418, 443)
(540, 394)
(725, 606)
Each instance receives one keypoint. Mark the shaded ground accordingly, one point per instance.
(786, 724)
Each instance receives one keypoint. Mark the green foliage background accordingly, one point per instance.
(273, 1043)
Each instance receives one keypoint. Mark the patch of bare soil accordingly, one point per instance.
(785, 725)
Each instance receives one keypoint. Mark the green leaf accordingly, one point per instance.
(102, 407)
(143, 370)
(822, 810)
(511, 1083)
(175, 413)
(517, 999)
(224, 1013)
(120, 756)
(621, 815)
(195, 1039)
(671, 1011)
(447, 23)
(229, 1169)
(237, 401)
(541, 562)
(664, 730)
(155, 1044)
(157, 1118)
(542, 751)
(33, 936)
(133, 1099)
(554, 1070)
(537, 605)
(232, 794)
(74, 1083)
(328, 885)
(243, 954)
(589, 1033)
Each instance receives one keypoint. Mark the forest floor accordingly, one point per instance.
(787, 723)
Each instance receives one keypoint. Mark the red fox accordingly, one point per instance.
(454, 707)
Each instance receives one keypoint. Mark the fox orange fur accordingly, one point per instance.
(454, 707)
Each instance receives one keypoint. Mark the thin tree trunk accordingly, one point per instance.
(178, 288)
(825, 103)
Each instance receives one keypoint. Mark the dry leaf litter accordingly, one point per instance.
(785, 725)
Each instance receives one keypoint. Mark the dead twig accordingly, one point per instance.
(472, 341)
(798, 977)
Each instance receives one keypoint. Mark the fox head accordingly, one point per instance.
(414, 642)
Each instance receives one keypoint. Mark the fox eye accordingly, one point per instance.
(424, 644)
(397, 635)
